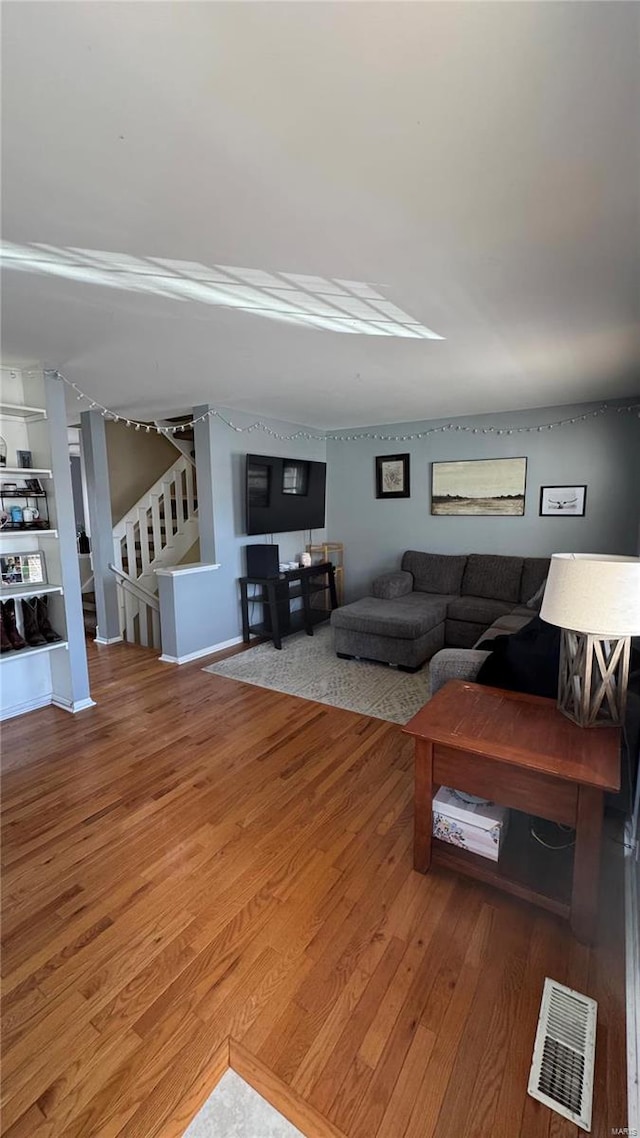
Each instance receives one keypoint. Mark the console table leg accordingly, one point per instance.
(586, 865)
(273, 613)
(423, 810)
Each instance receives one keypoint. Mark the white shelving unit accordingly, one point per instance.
(33, 417)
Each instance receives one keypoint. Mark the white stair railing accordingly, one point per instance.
(140, 611)
(161, 527)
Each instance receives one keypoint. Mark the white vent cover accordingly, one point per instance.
(563, 1056)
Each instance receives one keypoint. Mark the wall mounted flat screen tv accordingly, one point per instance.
(284, 494)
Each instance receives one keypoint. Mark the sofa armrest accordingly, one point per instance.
(391, 585)
(455, 664)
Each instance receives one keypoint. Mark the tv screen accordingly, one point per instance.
(284, 494)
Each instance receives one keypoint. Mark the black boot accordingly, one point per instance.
(5, 643)
(9, 621)
(44, 624)
(32, 633)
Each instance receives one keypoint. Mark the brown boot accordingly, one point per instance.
(9, 621)
(5, 643)
(44, 624)
(32, 633)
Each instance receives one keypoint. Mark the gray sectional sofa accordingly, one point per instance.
(438, 601)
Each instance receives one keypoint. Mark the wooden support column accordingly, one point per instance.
(94, 447)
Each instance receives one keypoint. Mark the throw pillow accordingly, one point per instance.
(526, 661)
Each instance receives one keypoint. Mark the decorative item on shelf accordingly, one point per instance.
(482, 486)
(23, 569)
(469, 822)
(305, 560)
(595, 600)
(25, 459)
(9, 488)
(3, 452)
(30, 515)
(562, 501)
(392, 476)
(33, 486)
(17, 516)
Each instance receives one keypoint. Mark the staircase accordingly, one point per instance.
(158, 531)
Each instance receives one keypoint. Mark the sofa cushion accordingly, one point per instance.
(434, 572)
(505, 626)
(463, 633)
(534, 572)
(479, 609)
(488, 575)
(390, 585)
(405, 617)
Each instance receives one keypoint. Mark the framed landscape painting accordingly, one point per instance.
(479, 486)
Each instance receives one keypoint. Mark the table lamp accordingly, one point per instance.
(595, 599)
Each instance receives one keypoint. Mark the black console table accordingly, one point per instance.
(275, 595)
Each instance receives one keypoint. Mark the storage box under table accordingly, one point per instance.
(477, 826)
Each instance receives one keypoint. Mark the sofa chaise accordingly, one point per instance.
(438, 601)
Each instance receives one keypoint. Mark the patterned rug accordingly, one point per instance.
(307, 666)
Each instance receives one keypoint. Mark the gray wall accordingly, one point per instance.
(604, 453)
(229, 450)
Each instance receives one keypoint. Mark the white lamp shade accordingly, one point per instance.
(593, 593)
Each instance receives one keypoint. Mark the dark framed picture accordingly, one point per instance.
(563, 501)
(490, 486)
(392, 476)
(33, 485)
(24, 459)
(23, 569)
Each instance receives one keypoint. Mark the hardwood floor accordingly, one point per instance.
(198, 872)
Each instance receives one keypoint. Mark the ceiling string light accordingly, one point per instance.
(94, 405)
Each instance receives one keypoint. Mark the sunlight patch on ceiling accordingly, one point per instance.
(345, 306)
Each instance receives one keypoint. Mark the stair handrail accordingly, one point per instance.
(120, 528)
(132, 586)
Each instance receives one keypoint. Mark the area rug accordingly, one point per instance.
(307, 666)
(235, 1110)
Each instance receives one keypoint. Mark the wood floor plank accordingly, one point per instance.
(198, 871)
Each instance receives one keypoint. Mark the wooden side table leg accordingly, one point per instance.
(586, 865)
(423, 812)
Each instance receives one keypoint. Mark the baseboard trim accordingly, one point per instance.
(210, 651)
(72, 705)
(110, 640)
(632, 957)
(24, 708)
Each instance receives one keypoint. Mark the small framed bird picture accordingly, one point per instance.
(563, 501)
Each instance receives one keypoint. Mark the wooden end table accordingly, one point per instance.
(520, 751)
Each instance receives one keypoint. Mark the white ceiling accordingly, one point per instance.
(474, 164)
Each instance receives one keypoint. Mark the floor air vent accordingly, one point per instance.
(562, 1067)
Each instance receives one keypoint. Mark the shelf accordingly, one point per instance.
(296, 623)
(11, 592)
(23, 653)
(5, 532)
(25, 471)
(19, 411)
(525, 868)
(297, 591)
